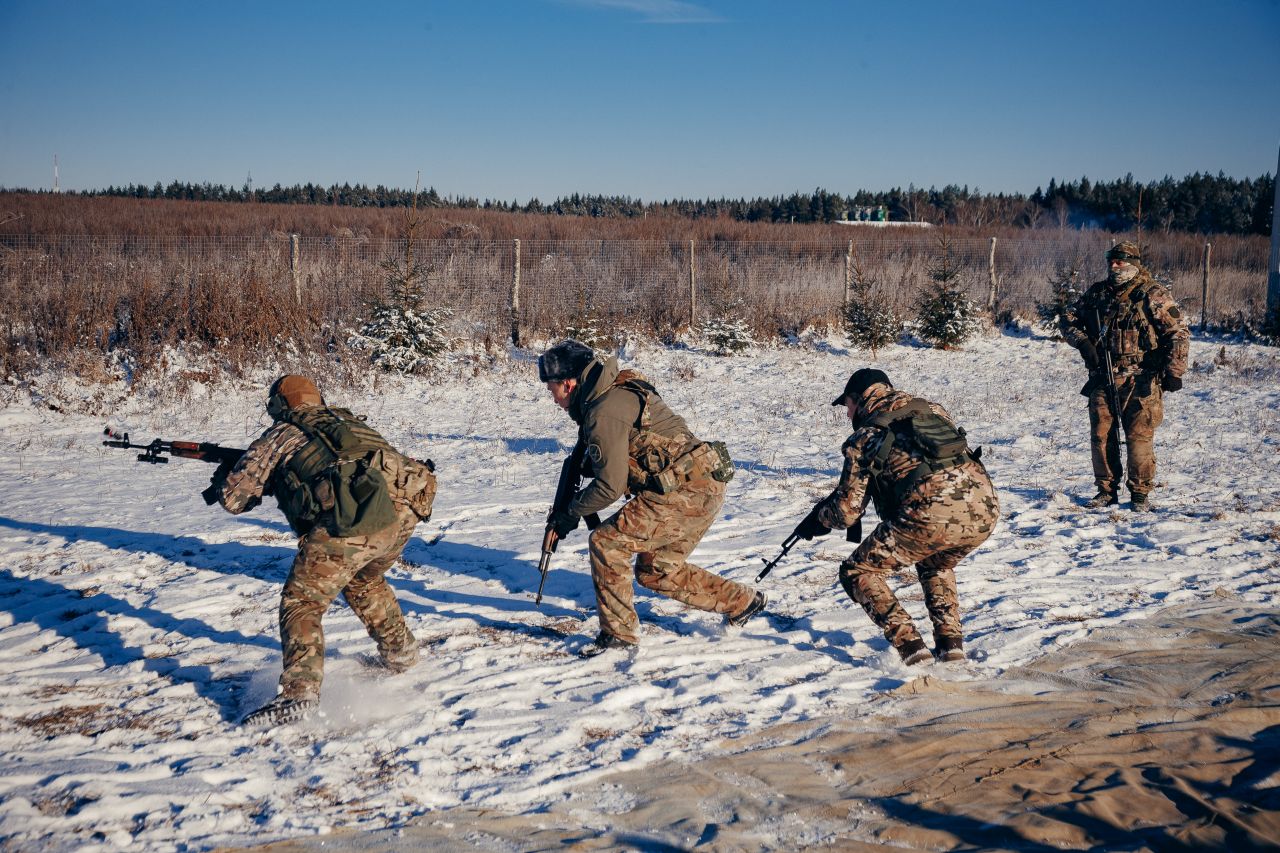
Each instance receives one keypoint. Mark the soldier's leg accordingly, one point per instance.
(320, 571)
(1143, 414)
(374, 602)
(941, 596)
(612, 551)
(683, 521)
(863, 577)
(955, 513)
(1104, 443)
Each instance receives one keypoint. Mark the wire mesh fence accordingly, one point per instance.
(62, 292)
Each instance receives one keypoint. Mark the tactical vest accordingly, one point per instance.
(1130, 329)
(335, 480)
(914, 426)
(662, 463)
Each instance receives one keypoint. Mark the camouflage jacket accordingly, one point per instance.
(249, 479)
(626, 430)
(857, 487)
(1144, 328)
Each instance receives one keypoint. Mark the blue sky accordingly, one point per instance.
(655, 99)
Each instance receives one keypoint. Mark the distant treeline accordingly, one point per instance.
(1199, 203)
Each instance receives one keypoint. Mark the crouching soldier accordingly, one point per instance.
(935, 501)
(354, 501)
(631, 442)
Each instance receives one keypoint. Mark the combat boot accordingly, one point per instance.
(1101, 499)
(606, 642)
(914, 652)
(280, 711)
(402, 659)
(753, 607)
(1138, 502)
(948, 648)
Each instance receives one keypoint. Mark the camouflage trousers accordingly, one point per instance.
(1141, 411)
(354, 566)
(659, 531)
(945, 518)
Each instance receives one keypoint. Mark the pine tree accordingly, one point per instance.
(947, 316)
(728, 334)
(1064, 291)
(870, 321)
(401, 334)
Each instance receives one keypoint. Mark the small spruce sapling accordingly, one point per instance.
(870, 320)
(947, 316)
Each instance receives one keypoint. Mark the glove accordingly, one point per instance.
(811, 527)
(853, 533)
(1090, 354)
(216, 482)
(1170, 382)
(563, 522)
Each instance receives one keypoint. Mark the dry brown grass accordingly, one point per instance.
(104, 286)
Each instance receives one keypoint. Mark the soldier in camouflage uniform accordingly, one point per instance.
(935, 507)
(1133, 318)
(634, 444)
(354, 501)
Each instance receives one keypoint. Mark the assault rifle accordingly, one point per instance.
(566, 491)
(224, 457)
(1113, 393)
(853, 534)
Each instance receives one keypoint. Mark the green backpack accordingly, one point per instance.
(942, 445)
(335, 480)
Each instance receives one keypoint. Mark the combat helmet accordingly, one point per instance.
(289, 392)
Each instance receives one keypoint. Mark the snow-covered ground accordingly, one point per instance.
(137, 625)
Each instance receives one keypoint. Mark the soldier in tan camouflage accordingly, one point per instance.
(354, 501)
(935, 501)
(1133, 319)
(634, 444)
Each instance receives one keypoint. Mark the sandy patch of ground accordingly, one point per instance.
(1164, 735)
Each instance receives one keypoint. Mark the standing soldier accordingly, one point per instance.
(1134, 341)
(631, 442)
(354, 501)
(935, 501)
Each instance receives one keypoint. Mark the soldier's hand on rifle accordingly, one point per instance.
(563, 522)
(216, 483)
(811, 526)
(1169, 382)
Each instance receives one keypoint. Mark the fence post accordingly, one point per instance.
(515, 297)
(848, 279)
(1204, 289)
(1273, 272)
(295, 263)
(693, 289)
(991, 274)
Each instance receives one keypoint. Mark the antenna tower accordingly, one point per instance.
(56, 188)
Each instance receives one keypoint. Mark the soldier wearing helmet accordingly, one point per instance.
(633, 444)
(354, 501)
(1132, 321)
